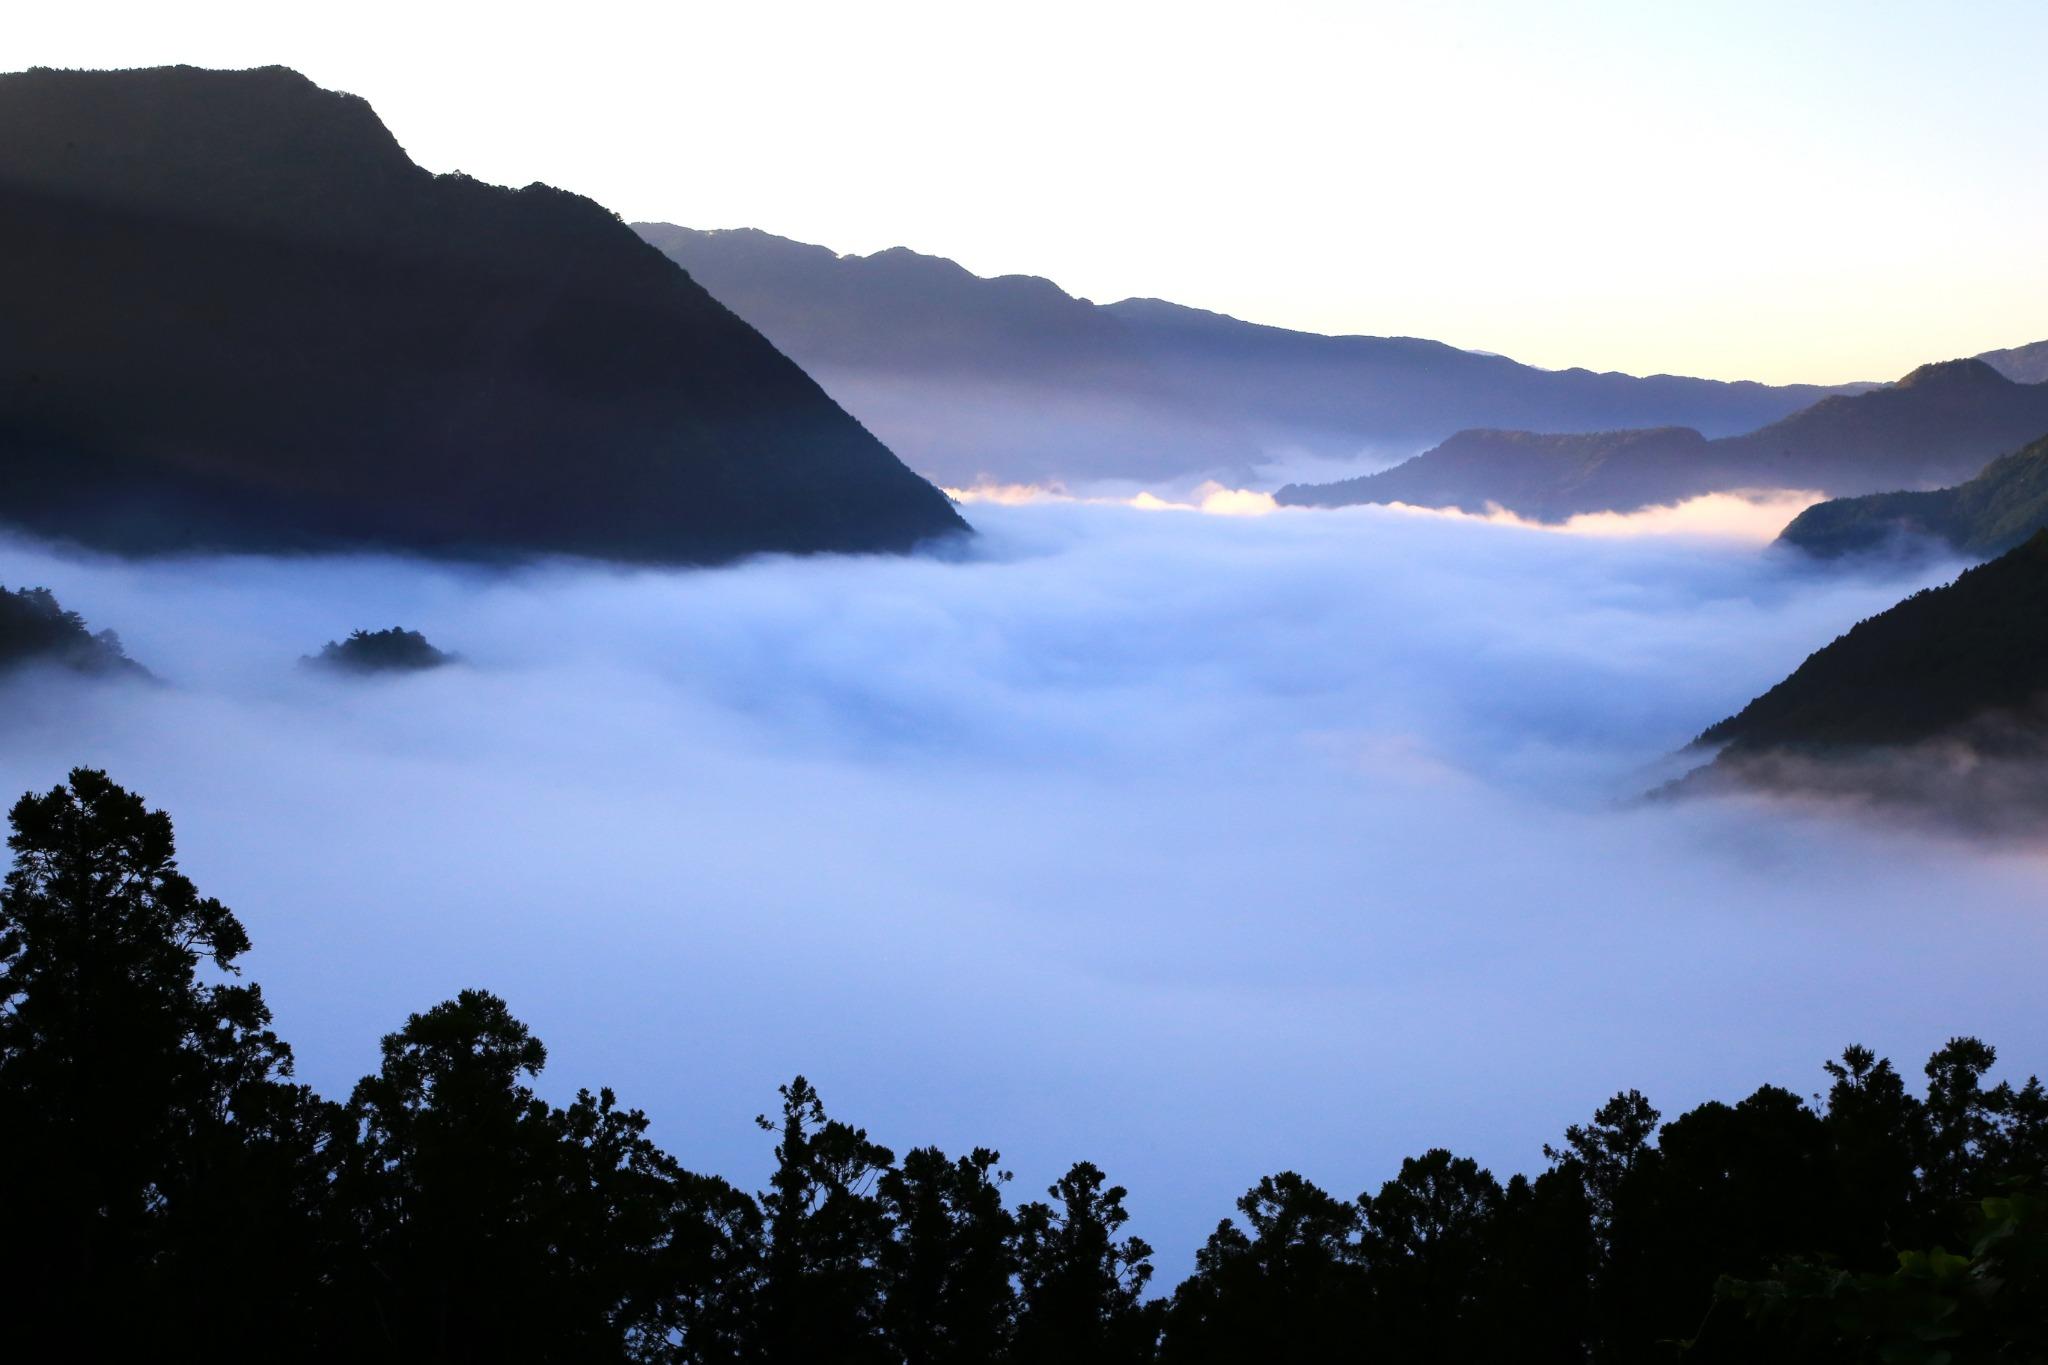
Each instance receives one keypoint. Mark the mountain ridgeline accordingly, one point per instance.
(1985, 516)
(2023, 364)
(1937, 706)
(1012, 379)
(240, 317)
(1936, 426)
(1916, 670)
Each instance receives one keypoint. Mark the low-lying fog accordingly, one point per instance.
(1197, 846)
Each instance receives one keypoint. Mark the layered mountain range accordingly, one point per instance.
(1014, 380)
(1936, 426)
(239, 316)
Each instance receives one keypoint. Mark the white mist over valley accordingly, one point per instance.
(1305, 840)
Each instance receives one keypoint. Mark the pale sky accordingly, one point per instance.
(1777, 191)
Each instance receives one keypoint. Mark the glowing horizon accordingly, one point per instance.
(1756, 516)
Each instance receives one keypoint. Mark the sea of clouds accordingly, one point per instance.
(1198, 846)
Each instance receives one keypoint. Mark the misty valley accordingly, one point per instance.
(1332, 817)
(615, 792)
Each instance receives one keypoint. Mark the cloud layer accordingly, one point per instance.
(1198, 846)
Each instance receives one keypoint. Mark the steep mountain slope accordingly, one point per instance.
(1013, 379)
(239, 316)
(970, 379)
(1938, 706)
(1988, 515)
(1937, 425)
(1937, 659)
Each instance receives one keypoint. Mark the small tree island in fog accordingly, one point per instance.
(394, 650)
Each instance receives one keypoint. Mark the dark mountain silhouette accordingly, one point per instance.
(1935, 704)
(1941, 657)
(970, 379)
(1543, 477)
(394, 650)
(1935, 426)
(239, 316)
(1985, 516)
(1013, 379)
(34, 629)
(2022, 364)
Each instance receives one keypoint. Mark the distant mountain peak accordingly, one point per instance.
(1955, 374)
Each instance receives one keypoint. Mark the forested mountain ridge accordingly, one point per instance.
(1941, 657)
(240, 317)
(36, 629)
(172, 1191)
(1935, 709)
(1984, 516)
(1013, 379)
(1937, 425)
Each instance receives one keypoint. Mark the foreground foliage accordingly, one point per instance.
(167, 1188)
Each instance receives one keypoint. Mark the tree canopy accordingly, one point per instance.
(167, 1188)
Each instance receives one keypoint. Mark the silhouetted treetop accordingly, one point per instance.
(393, 650)
(131, 1088)
(35, 629)
(166, 1191)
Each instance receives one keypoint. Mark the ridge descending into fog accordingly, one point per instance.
(1013, 380)
(1935, 426)
(240, 317)
(1322, 817)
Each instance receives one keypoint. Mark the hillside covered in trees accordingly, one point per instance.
(1985, 516)
(168, 1189)
(1935, 426)
(1941, 657)
(391, 650)
(240, 317)
(35, 629)
(1934, 707)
